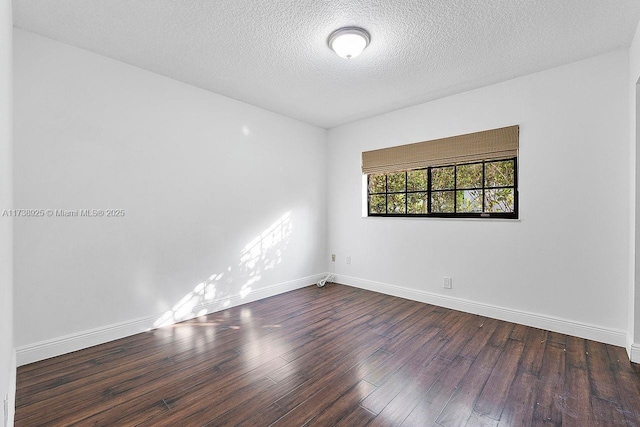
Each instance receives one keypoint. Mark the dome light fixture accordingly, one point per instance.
(349, 42)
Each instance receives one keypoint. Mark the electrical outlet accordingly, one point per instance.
(447, 283)
(333, 257)
(348, 260)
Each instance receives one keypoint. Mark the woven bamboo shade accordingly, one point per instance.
(486, 145)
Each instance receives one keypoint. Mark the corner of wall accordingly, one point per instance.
(634, 252)
(77, 341)
(7, 346)
(633, 351)
(11, 402)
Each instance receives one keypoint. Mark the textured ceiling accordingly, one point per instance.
(274, 54)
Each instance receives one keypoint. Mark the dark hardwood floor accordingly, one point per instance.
(335, 356)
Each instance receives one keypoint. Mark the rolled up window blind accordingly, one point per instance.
(486, 145)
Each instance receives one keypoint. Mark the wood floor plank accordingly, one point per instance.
(480, 338)
(501, 335)
(434, 401)
(258, 419)
(480, 420)
(549, 401)
(358, 417)
(459, 333)
(413, 392)
(173, 390)
(397, 380)
(406, 310)
(458, 409)
(519, 332)
(40, 412)
(188, 395)
(330, 352)
(494, 394)
(343, 406)
(557, 337)
(401, 332)
(520, 403)
(606, 413)
(627, 383)
(202, 412)
(535, 343)
(327, 396)
(184, 384)
(603, 383)
(238, 414)
(383, 372)
(576, 409)
(335, 355)
(349, 369)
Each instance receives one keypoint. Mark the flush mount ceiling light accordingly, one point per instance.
(349, 42)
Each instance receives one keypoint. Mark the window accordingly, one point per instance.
(472, 175)
(478, 189)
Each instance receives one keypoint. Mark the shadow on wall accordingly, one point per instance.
(259, 255)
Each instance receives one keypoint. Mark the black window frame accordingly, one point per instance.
(454, 190)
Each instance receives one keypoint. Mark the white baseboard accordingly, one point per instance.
(551, 323)
(57, 346)
(11, 405)
(634, 353)
(54, 347)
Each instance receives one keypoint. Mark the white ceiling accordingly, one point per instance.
(274, 54)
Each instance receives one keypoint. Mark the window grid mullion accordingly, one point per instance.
(386, 194)
(455, 189)
(368, 194)
(430, 192)
(515, 185)
(483, 184)
(406, 196)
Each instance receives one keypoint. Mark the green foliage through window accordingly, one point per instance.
(478, 189)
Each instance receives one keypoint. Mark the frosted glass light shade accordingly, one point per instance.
(349, 42)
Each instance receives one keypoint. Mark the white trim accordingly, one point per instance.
(542, 321)
(10, 415)
(55, 347)
(634, 353)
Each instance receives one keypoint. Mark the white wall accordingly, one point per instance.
(7, 352)
(564, 265)
(92, 133)
(215, 192)
(634, 137)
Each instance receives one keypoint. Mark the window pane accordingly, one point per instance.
(396, 181)
(469, 176)
(417, 180)
(442, 201)
(469, 201)
(396, 204)
(377, 183)
(442, 178)
(454, 189)
(499, 200)
(377, 204)
(417, 203)
(499, 174)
